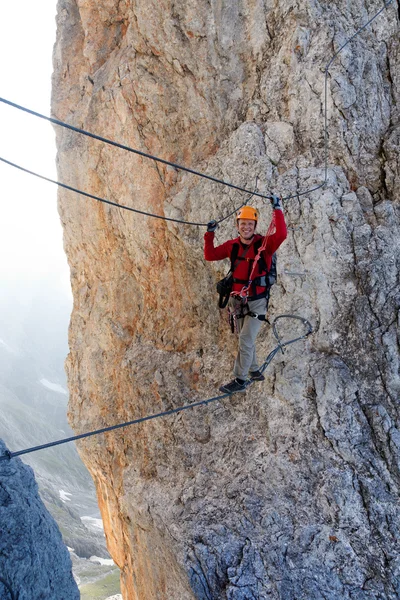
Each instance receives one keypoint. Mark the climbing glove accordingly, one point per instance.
(276, 202)
(212, 225)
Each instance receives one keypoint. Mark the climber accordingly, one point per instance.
(251, 310)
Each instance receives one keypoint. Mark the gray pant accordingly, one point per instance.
(248, 328)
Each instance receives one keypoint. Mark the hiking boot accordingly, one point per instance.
(256, 376)
(237, 385)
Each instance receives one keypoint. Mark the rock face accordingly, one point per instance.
(290, 492)
(34, 562)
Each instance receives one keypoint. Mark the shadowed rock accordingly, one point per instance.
(34, 562)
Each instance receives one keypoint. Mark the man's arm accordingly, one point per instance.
(215, 253)
(280, 234)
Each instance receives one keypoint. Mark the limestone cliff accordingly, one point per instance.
(34, 562)
(292, 491)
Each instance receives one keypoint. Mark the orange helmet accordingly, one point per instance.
(247, 212)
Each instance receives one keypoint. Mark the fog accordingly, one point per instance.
(35, 296)
(30, 232)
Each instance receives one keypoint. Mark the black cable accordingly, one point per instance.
(135, 210)
(356, 33)
(281, 345)
(112, 427)
(181, 167)
(8, 455)
(326, 105)
(128, 148)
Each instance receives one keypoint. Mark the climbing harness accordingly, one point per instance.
(280, 346)
(224, 286)
(242, 311)
(252, 282)
(266, 279)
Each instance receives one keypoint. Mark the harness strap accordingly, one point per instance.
(246, 259)
(254, 315)
(258, 281)
(226, 284)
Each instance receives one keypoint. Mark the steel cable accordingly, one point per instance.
(280, 346)
(129, 149)
(111, 203)
(176, 165)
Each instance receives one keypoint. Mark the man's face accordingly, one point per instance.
(246, 228)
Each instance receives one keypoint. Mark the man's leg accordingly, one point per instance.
(248, 328)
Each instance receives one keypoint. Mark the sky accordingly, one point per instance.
(30, 230)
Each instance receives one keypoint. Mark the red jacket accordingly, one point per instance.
(243, 267)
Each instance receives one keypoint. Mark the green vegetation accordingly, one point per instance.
(103, 588)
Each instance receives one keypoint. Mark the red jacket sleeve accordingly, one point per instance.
(280, 234)
(216, 253)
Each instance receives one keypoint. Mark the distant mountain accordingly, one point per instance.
(28, 570)
(33, 405)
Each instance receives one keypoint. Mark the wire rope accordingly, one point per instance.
(327, 67)
(130, 149)
(280, 346)
(179, 166)
(110, 202)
